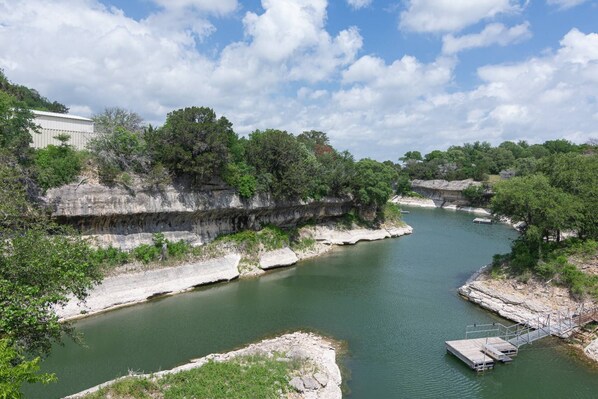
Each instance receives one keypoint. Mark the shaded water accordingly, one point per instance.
(394, 302)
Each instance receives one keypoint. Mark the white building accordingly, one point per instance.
(52, 124)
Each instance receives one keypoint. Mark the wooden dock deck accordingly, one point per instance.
(481, 353)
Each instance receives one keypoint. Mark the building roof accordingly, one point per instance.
(63, 116)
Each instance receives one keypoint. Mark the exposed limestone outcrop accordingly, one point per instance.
(518, 301)
(137, 287)
(278, 258)
(323, 382)
(438, 203)
(330, 235)
(591, 350)
(127, 218)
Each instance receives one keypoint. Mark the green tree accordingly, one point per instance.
(16, 125)
(195, 143)
(15, 371)
(372, 185)
(41, 265)
(533, 200)
(30, 97)
(284, 166)
(411, 156)
(577, 175)
(57, 165)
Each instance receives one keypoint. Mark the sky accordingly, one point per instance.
(379, 77)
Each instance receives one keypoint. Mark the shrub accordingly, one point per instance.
(110, 257)
(147, 253)
(57, 165)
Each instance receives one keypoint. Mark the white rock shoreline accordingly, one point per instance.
(429, 203)
(133, 288)
(324, 383)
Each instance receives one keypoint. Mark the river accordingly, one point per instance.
(394, 302)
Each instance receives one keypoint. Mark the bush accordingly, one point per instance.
(110, 257)
(146, 253)
(178, 249)
(475, 195)
(57, 165)
(240, 176)
(391, 213)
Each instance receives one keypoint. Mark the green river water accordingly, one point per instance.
(394, 302)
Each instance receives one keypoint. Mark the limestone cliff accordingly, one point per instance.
(126, 218)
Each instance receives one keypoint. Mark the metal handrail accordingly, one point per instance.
(553, 323)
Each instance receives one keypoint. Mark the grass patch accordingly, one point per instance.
(131, 387)
(252, 242)
(303, 244)
(391, 214)
(245, 377)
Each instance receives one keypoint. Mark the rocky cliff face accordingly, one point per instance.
(126, 218)
(444, 191)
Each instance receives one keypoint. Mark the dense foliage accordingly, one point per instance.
(57, 165)
(480, 159)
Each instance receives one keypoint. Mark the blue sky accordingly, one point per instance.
(380, 77)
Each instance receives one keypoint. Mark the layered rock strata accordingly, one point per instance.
(127, 218)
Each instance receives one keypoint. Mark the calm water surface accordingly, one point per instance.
(394, 302)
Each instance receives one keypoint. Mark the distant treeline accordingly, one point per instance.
(480, 159)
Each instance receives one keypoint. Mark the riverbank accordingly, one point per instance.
(133, 284)
(429, 203)
(309, 358)
(521, 301)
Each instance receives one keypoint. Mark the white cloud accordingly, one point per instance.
(495, 33)
(214, 6)
(289, 72)
(565, 4)
(452, 15)
(357, 4)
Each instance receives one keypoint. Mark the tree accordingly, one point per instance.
(57, 165)
(560, 146)
(533, 200)
(411, 156)
(15, 371)
(284, 166)
(577, 175)
(30, 97)
(41, 265)
(113, 118)
(195, 143)
(372, 185)
(16, 125)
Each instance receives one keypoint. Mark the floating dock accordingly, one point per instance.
(481, 353)
(482, 221)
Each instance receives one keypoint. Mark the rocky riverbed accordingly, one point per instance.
(320, 378)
